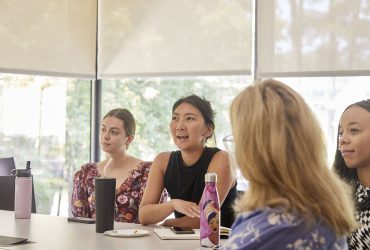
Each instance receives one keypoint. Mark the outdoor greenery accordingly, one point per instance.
(151, 101)
(55, 157)
(52, 156)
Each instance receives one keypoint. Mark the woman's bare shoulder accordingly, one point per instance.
(221, 155)
(161, 161)
(220, 159)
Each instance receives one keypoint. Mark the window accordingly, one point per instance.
(151, 100)
(328, 97)
(46, 120)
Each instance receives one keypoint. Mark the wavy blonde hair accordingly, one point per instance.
(280, 150)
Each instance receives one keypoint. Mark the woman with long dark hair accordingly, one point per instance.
(182, 172)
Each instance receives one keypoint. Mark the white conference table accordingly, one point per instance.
(56, 233)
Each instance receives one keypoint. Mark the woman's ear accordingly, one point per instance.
(129, 140)
(209, 132)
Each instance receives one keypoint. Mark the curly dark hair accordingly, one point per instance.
(350, 174)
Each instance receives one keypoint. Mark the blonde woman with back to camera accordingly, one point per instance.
(294, 201)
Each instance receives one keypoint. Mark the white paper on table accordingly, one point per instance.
(168, 234)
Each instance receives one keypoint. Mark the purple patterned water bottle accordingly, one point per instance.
(210, 213)
(23, 192)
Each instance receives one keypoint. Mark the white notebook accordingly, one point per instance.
(168, 234)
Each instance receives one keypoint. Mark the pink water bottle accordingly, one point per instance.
(210, 213)
(23, 192)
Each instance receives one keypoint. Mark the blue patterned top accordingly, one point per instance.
(274, 228)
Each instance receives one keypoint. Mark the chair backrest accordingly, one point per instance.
(6, 165)
(7, 191)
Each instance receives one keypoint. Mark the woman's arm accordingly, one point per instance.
(151, 211)
(220, 165)
(79, 200)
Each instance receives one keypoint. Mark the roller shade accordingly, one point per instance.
(48, 37)
(174, 37)
(313, 38)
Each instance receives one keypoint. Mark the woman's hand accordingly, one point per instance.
(184, 221)
(187, 208)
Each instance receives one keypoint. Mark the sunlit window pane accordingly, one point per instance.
(328, 97)
(46, 120)
(151, 100)
(313, 38)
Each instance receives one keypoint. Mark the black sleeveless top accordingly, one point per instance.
(187, 183)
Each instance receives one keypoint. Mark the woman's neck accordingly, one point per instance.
(191, 157)
(117, 160)
(363, 175)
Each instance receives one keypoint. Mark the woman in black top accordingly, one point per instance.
(352, 163)
(182, 172)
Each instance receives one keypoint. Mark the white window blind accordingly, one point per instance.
(313, 38)
(48, 37)
(174, 37)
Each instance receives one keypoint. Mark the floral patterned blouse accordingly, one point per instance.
(128, 195)
(274, 228)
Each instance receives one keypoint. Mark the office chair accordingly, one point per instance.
(7, 192)
(6, 165)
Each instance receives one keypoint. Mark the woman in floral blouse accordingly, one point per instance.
(352, 162)
(116, 133)
(293, 201)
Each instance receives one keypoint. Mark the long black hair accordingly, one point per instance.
(350, 174)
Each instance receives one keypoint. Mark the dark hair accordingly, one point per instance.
(126, 117)
(350, 174)
(202, 105)
(211, 216)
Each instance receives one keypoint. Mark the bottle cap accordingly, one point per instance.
(210, 177)
(23, 172)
